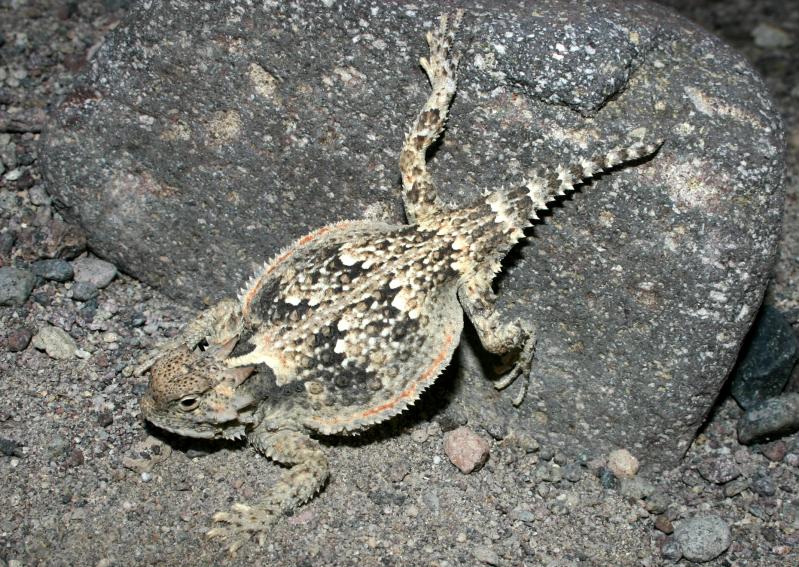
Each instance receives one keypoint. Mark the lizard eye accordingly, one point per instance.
(188, 403)
(202, 345)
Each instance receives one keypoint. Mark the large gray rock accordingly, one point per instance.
(206, 136)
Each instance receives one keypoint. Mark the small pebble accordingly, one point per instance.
(452, 419)
(774, 451)
(657, 502)
(735, 487)
(485, 554)
(10, 448)
(43, 298)
(773, 418)
(607, 479)
(19, 339)
(13, 175)
(55, 342)
(82, 354)
(525, 516)
(636, 488)
(7, 240)
(465, 449)
(572, 472)
(53, 269)
(38, 195)
(524, 441)
(702, 538)
(145, 454)
(399, 471)
(197, 453)
(83, 291)
(92, 270)
(419, 435)
(622, 463)
(771, 37)
(75, 458)
(548, 472)
(764, 486)
(137, 320)
(663, 524)
(670, 550)
(56, 447)
(15, 285)
(719, 471)
(8, 200)
(497, 429)
(105, 418)
(546, 453)
(24, 181)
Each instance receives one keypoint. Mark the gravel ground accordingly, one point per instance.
(86, 483)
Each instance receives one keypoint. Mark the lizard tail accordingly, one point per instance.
(515, 208)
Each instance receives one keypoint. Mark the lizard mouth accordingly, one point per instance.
(239, 427)
(231, 430)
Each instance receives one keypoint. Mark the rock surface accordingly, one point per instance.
(207, 137)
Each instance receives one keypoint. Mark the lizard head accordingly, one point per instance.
(192, 392)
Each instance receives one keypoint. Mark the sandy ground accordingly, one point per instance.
(86, 483)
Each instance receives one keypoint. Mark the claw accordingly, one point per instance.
(522, 367)
(234, 547)
(217, 532)
(242, 523)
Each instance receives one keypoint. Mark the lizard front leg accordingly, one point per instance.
(219, 326)
(308, 473)
(497, 336)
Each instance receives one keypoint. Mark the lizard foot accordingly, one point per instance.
(242, 523)
(522, 367)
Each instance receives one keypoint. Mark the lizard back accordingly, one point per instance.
(363, 314)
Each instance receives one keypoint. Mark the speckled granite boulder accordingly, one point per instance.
(206, 136)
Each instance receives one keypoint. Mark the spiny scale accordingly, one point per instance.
(349, 325)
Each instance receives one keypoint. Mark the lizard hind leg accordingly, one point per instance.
(307, 474)
(419, 194)
(500, 337)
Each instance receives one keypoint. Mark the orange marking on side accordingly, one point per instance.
(250, 295)
(308, 237)
(408, 392)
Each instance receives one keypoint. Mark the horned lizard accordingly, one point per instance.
(350, 324)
